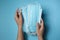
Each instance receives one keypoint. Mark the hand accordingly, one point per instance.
(18, 18)
(40, 29)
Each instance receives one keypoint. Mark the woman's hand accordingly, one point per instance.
(40, 30)
(18, 18)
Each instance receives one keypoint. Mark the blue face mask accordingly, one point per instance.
(31, 14)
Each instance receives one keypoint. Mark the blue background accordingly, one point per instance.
(51, 16)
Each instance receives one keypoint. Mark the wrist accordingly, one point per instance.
(40, 37)
(19, 27)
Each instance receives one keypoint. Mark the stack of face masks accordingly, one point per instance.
(31, 14)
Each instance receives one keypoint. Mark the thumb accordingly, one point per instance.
(38, 26)
(20, 13)
(42, 25)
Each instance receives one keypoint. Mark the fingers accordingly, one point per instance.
(38, 26)
(20, 13)
(42, 24)
(16, 15)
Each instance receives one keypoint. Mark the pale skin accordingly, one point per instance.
(18, 19)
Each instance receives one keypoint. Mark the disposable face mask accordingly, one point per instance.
(32, 15)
